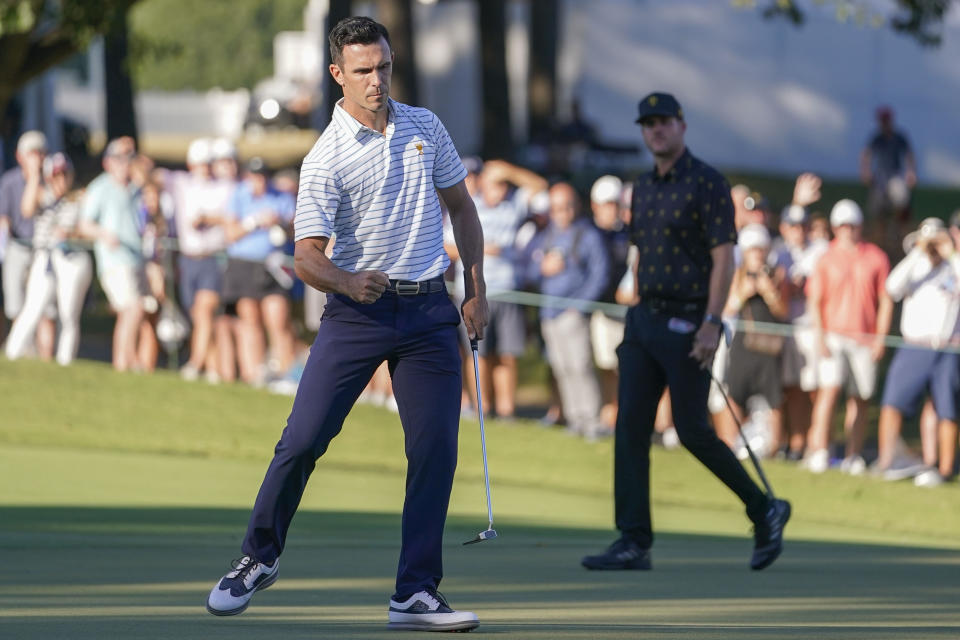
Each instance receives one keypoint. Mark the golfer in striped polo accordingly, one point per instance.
(372, 179)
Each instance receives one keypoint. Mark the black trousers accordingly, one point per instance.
(654, 355)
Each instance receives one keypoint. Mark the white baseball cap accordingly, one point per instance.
(793, 214)
(200, 151)
(844, 212)
(753, 236)
(539, 203)
(223, 149)
(32, 141)
(606, 189)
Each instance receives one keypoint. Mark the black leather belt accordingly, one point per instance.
(414, 288)
(672, 305)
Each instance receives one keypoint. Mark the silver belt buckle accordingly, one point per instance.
(407, 288)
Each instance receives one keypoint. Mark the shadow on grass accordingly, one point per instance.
(117, 573)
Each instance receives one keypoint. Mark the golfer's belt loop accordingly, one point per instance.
(407, 288)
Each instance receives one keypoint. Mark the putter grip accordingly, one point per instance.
(474, 343)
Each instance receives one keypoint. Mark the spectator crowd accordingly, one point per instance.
(201, 257)
(199, 254)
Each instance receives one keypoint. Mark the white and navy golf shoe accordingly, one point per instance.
(232, 594)
(428, 611)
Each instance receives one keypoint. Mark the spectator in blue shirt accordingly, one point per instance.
(569, 260)
(256, 223)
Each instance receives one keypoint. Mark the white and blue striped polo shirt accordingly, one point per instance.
(377, 193)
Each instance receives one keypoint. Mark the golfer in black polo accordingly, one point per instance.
(683, 227)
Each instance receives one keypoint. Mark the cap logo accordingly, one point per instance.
(652, 101)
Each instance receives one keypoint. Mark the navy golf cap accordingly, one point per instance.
(659, 104)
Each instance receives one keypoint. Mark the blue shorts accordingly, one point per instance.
(916, 371)
(199, 274)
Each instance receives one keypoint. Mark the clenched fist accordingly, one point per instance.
(366, 287)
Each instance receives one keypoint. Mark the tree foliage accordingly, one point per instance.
(921, 20)
(38, 34)
(189, 44)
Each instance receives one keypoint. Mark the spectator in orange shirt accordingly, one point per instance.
(849, 306)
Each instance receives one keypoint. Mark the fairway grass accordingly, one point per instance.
(123, 498)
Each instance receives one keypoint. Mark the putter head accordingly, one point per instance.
(489, 534)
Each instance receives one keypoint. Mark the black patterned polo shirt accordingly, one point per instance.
(677, 219)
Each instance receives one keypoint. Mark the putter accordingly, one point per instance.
(490, 533)
(753, 457)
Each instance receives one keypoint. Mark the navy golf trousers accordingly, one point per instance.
(654, 354)
(417, 336)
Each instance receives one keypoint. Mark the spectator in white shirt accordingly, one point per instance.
(928, 282)
(200, 204)
(797, 255)
(502, 203)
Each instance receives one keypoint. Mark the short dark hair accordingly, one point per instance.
(355, 30)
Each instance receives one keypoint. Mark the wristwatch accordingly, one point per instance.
(713, 318)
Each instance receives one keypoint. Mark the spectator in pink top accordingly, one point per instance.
(848, 304)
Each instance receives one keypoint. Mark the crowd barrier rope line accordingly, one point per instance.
(539, 300)
(527, 298)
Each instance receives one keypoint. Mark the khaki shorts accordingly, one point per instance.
(849, 362)
(124, 286)
(606, 334)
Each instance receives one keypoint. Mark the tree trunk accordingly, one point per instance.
(497, 132)
(339, 9)
(397, 17)
(542, 80)
(121, 116)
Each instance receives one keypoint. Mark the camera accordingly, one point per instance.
(767, 271)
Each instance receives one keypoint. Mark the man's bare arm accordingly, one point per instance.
(469, 238)
(524, 178)
(317, 270)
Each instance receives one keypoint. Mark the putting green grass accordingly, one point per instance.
(123, 498)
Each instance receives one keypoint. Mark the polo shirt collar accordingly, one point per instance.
(683, 164)
(352, 126)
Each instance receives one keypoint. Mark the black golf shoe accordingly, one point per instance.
(622, 554)
(768, 534)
